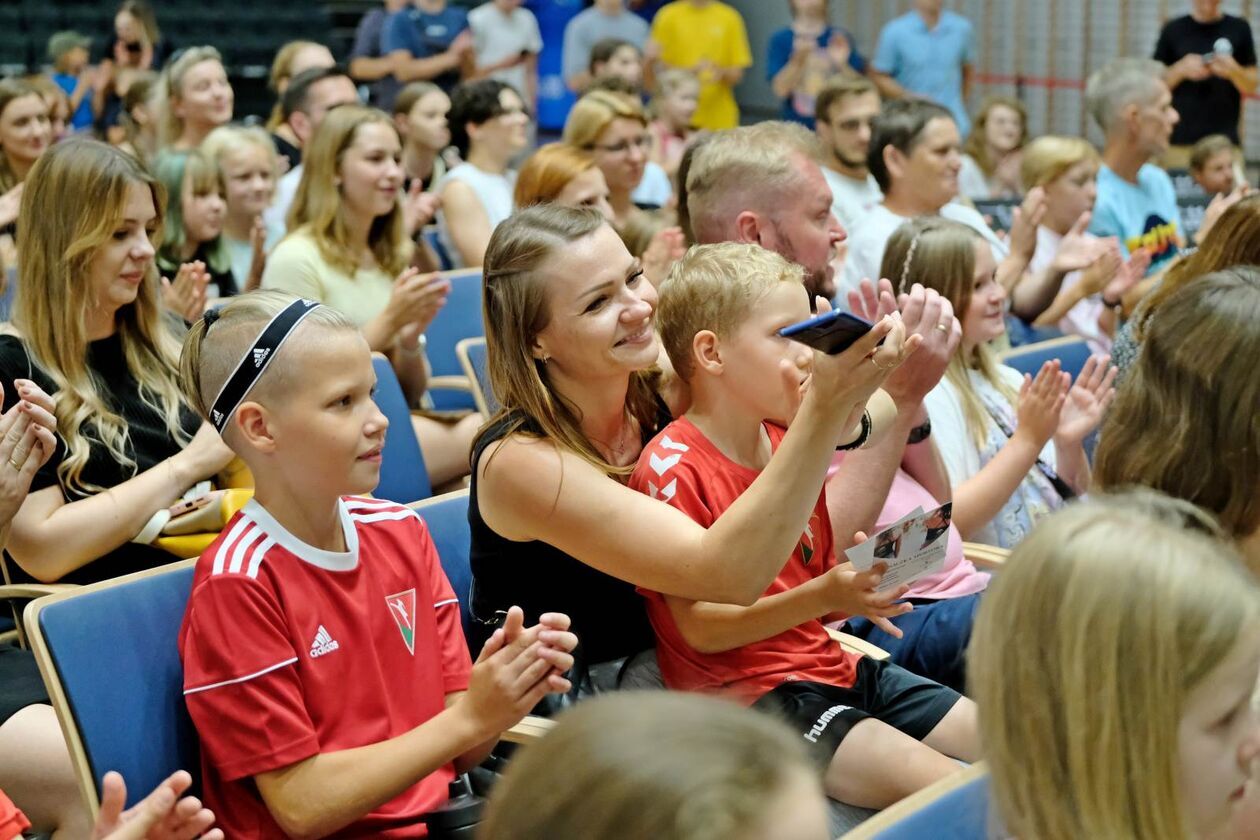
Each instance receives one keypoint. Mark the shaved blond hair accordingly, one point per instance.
(746, 168)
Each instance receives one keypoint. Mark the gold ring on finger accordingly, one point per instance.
(943, 327)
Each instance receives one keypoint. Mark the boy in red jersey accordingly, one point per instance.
(880, 732)
(324, 665)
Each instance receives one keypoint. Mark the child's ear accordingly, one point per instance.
(706, 348)
(254, 426)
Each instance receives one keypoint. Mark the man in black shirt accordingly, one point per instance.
(1211, 62)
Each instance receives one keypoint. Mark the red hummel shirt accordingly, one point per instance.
(290, 651)
(682, 468)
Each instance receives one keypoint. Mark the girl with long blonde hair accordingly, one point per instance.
(90, 329)
(247, 166)
(1114, 661)
(194, 98)
(350, 247)
(573, 353)
(992, 152)
(1012, 445)
(1185, 420)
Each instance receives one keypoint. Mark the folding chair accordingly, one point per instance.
(109, 656)
(1071, 351)
(460, 318)
(404, 477)
(472, 358)
(15, 596)
(955, 808)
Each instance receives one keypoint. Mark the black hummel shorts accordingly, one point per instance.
(824, 714)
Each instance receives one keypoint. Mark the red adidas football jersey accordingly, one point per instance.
(681, 467)
(290, 651)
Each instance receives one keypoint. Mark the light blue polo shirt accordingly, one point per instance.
(1141, 215)
(929, 62)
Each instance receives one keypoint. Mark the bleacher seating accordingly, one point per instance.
(956, 808)
(460, 318)
(1071, 351)
(404, 477)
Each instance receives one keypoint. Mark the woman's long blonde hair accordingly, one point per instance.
(660, 765)
(54, 296)
(171, 87)
(514, 307)
(1186, 420)
(317, 206)
(940, 254)
(1085, 648)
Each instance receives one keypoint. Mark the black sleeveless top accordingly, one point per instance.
(608, 615)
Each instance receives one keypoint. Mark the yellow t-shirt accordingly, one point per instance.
(296, 266)
(689, 34)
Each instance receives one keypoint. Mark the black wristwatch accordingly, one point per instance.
(861, 439)
(920, 433)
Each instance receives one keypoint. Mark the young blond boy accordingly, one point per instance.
(880, 732)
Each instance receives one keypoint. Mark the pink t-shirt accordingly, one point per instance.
(958, 576)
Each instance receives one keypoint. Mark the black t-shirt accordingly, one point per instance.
(1214, 105)
(608, 615)
(149, 443)
(287, 150)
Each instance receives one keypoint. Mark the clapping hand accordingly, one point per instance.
(162, 815)
(1087, 401)
(186, 297)
(1041, 400)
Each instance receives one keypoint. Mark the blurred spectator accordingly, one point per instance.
(137, 41)
(563, 174)
(613, 126)
(992, 153)
(193, 229)
(506, 44)
(927, 52)
(58, 105)
(845, 110)
(1214, 164)
(1136, 203)
(69, 54)
(706, 37)
(24, 135)
(803, 56)
(613, 58)
(293, 58)
(368, 60)
(489, 127)
(606, 19)
(420, 115)
(673, 111)
(247, 165)
(194, 98)
(1211, 65)
(307, 100)
(429, 41)
(137, 129)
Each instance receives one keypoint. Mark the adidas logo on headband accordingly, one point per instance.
(260, 355)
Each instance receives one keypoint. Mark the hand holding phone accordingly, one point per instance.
(831, 332)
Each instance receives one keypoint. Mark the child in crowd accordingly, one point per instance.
(69, 54)
(726, 774)
(248, 165)
(324, 614)
(879, 732)
(672, 108)
(1214, 164)
(993, 428)
(194, 221)
(615, 57)
(1114, 661)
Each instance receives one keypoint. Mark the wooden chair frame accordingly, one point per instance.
(470, 371)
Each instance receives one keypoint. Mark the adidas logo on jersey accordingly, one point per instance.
(260, 355)
(324, 643)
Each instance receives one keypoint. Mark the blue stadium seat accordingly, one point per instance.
(108, 653)
(404, 477)
(1071, 351)
(956, 808)
(472, 358)
(446, 517)
(460, 318)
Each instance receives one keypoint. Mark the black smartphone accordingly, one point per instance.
(831, 332)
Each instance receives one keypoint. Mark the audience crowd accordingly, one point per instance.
(660, 487)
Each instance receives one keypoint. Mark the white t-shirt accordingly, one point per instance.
(972, 181)
(493, 190)
(1081, 319)
(1035, 496)
(871, 233)
(286, 189)
(851, 199)
(655, 188)
(497, 36)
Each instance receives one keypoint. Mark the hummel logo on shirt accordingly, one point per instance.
(323, 643)
(260, 355)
